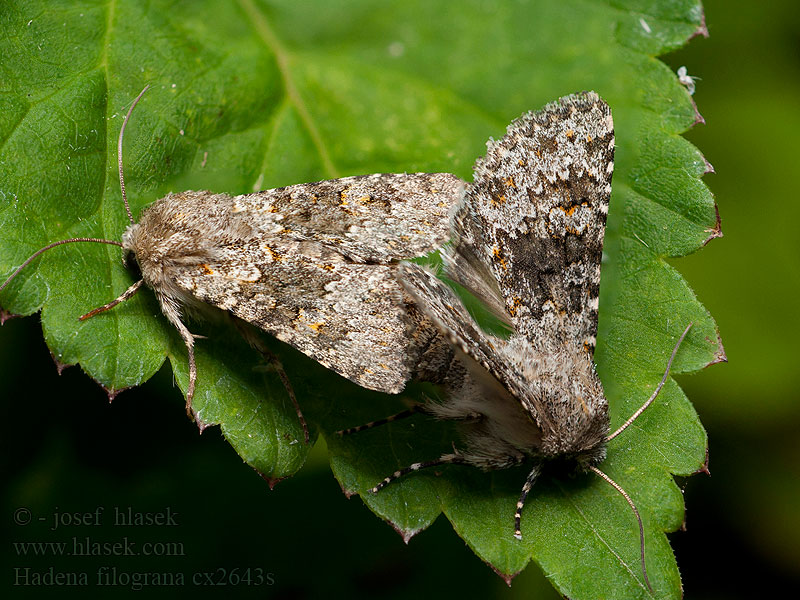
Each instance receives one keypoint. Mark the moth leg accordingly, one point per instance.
(256, 343)
(188, 339)
(172, 313)
(446, 459)
(417, 408)
(522, 497)
(127, 294)
(171, 310)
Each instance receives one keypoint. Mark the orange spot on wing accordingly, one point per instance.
(275, 256)
(499, 258)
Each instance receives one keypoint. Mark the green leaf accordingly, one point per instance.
(250, 95)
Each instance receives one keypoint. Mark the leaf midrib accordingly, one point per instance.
(270, 40)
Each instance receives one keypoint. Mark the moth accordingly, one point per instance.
(527, 240)
(313, 264)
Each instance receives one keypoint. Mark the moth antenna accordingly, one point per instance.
(187, 336)
(134, 288)
(119, 153)
(121, 298)
(417, 408)
(447, 459)
(522, 497)
(635, 415)
(53, 245)
(625, 495)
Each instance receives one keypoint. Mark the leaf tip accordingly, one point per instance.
(271, 481)
(719, 356)
(348, 493)
(698, 118)
(507, 577)
(702, 28)
(715, 231)
(61, 366)
(406, 534)
(7, 316)
(111, 392)
(201, 425)
(709, 167)
(703, 467)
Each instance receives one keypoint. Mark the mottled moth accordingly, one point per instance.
(527, 240)
(312, 264)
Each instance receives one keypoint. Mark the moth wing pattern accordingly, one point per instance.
(376, 219)
(528, 238)
(348, 317)
(485, 393)
(313, 264)
(445, 309)
(531, 226)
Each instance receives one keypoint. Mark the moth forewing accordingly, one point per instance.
(331, 294)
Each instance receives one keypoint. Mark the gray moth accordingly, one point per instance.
(314, 264)
(527, 240)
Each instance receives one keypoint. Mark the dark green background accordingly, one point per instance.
(65, 447)
(743, 537)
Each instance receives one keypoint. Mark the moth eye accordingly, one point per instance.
(130, 263)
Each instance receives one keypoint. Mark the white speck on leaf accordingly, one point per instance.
(397, 49)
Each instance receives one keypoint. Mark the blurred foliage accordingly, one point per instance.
(746, 513)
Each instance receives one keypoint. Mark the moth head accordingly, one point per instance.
(129, 245)
(560, 390)
(590, 457)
